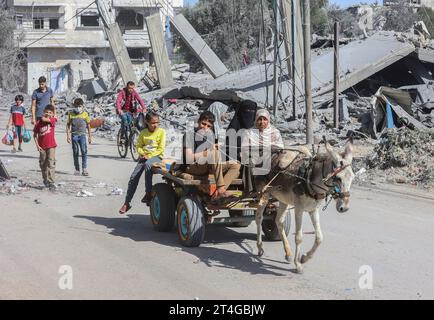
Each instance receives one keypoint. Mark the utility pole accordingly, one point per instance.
(336, 73)
(307, 72)
(276, 55)
(289, 26)
(294, 38)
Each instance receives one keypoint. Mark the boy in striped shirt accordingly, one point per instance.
(16, 121)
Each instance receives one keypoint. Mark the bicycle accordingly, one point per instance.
(127, 139)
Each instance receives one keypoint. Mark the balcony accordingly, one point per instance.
(39, 38)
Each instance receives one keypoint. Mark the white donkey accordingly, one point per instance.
(328, 174)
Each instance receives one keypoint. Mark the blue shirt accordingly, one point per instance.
(42, 100)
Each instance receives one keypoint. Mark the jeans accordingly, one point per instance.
(47, 162)
(142, 165)
(19, 130)
(126, 119)
(79, 143)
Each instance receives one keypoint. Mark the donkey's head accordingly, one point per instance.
(342, 176)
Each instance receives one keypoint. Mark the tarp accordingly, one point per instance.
(400, 103)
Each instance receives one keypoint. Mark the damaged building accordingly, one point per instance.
(65, 40)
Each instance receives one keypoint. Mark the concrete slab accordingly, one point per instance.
(199, 47)
(158, 44)
(358, 61)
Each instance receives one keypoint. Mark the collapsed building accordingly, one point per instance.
(65, 41)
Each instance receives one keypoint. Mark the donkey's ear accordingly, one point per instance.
(335, 156)
(348, 153)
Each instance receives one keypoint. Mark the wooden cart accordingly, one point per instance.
(186, 205)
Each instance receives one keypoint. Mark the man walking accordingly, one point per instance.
(41, 97)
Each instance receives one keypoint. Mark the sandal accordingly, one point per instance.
(125, 208)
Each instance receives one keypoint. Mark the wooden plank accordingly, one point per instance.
(198, 181)
(159, 50)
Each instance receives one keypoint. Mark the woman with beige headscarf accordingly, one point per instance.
(260, 142)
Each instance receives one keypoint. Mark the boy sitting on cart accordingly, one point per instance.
(202, 156)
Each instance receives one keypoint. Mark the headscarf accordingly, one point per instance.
(263, 113)
(218, 109)
(270, 136)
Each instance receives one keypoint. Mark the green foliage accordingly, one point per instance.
(231, 26)
(318, 17)
(427, 16)
(11, 70)
(228, 27)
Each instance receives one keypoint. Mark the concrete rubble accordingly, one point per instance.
(405, 156)
(366, 65)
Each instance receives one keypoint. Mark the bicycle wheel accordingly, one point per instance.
(133, 141)
(122, 141)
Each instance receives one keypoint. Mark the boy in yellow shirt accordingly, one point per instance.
(150, 146)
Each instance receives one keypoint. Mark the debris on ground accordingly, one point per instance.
(405, 155)
(85, 194)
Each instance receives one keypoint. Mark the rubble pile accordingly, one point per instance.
(408, 154)
(14, 186)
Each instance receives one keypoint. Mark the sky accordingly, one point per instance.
(341, 3)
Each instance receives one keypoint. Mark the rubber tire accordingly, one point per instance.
(271, 231)
(133, 137)
(239, 213)
(167, 200)
(122, 153)
(196, 222)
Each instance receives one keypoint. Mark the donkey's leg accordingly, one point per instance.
(314, 216)
(298, 237)
(280, 219)
(259, 217)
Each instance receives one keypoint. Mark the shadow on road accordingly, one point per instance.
(138, 227)
(117, 158)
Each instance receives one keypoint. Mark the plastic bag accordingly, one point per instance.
(8, 139)
(27, 136)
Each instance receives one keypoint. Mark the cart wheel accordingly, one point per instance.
(239, 213)
(190, 222)
(163, 207)
(269, 227)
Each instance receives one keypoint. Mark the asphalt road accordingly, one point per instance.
(121, 257)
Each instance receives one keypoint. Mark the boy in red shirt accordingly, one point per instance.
(16, 121)
(46, 145)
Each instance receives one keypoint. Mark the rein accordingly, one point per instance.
(332, 190)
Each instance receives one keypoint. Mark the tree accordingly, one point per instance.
(400, 17)
(11, 58)
(427, 16)
(231, 26)
(318, 17)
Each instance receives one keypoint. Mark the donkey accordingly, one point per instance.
(328, 174)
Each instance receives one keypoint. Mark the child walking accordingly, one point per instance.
(45, 141)
(17, 122)
(77, 126)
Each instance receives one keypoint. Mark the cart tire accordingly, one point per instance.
(190, 222)
(239, 213)
(271, 232)
(163, 207)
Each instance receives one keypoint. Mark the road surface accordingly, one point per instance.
(387, 234)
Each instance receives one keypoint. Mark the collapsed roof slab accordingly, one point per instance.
(425, 55)
(358, 61)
